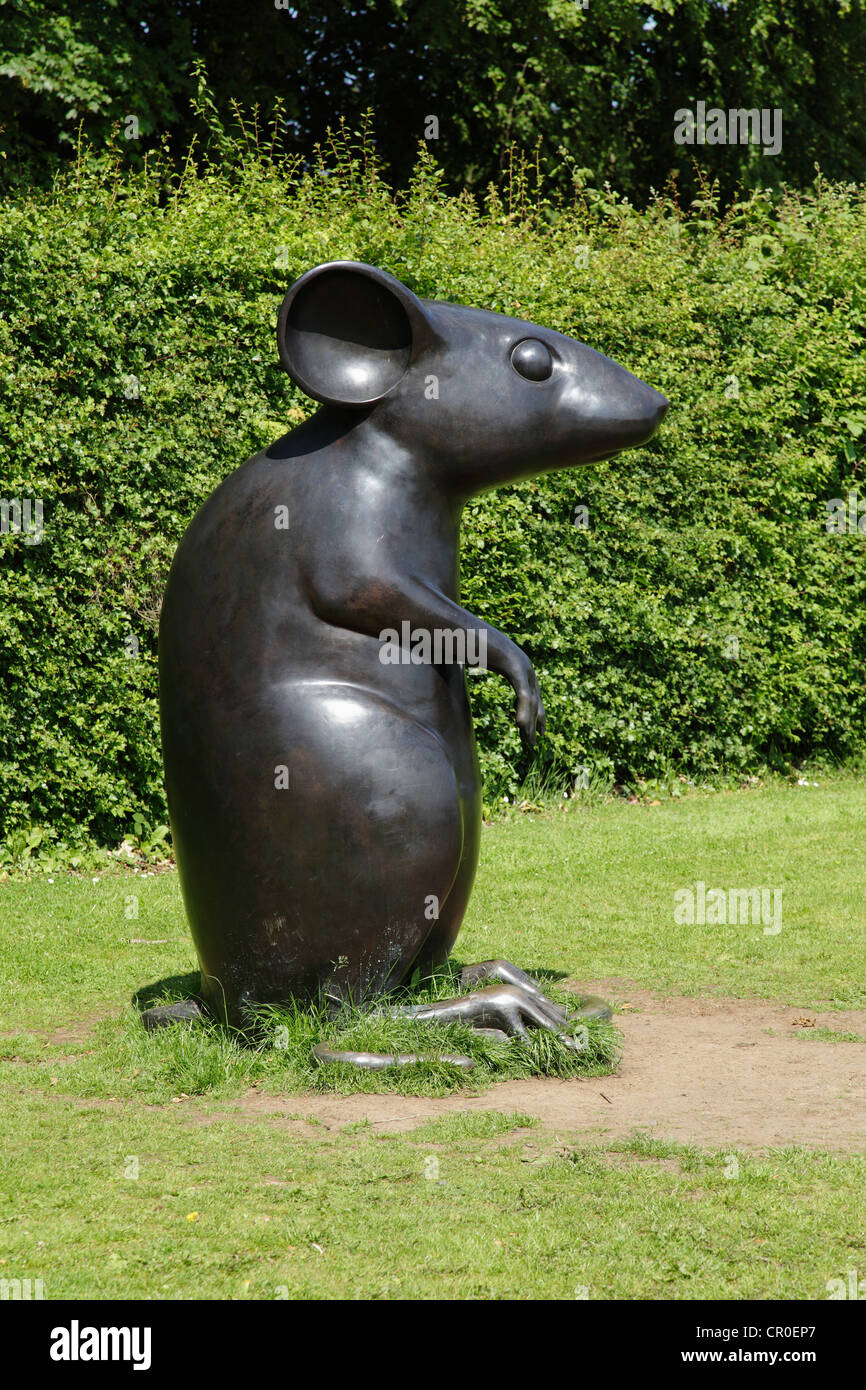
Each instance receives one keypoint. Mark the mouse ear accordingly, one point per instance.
(347, 332)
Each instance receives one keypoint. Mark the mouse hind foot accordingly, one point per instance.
(590, 1007)
(509, 1008)
(504, 1008)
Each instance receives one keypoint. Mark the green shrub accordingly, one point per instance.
(703, 620)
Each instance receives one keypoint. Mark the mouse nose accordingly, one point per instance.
(653, 405)
(648, 411)
(612, 409)
(661, 404)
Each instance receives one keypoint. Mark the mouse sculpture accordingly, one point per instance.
(320, 764)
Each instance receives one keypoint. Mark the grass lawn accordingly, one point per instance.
(223, 1208)
(113, 1187)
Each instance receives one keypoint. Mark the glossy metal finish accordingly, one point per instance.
(510, 1008)
(325, 806)
(384, 1061)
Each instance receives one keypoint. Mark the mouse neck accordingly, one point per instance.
(369, 445)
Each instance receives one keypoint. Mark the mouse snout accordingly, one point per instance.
(659, 405)
(657, 408)
(608, 408)
(636, 412)
(645, 409)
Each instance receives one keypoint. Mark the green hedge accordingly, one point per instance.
(703, 621)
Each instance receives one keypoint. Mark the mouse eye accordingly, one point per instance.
(532, 360)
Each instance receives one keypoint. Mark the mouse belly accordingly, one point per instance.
(319, 831)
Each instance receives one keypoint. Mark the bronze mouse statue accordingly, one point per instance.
(324, 796)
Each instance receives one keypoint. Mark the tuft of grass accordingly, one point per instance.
(829, 1035)
(647, 1146)
(123, 1060)
(21, 1047)
(541, 1053)
(472, 1124)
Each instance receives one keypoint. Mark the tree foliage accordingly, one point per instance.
(593, 88)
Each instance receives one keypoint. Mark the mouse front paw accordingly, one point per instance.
(530, 716)
(529, 713)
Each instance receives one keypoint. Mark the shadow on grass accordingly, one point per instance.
(166, 991)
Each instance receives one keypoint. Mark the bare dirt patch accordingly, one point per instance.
(715, 1072)
(76, 1032)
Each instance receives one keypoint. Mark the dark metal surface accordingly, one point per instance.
(166, 1015)
(509, 1008)
(325, 806)
(500, 1012)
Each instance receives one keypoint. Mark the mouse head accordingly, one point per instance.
(478, 398)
